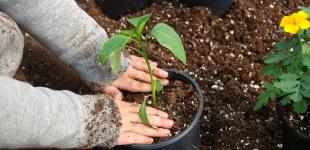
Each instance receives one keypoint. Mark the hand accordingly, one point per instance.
(133, 131)
(137, 79)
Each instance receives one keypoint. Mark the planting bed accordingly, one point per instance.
(225, 56)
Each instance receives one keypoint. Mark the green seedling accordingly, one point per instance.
(288, 65)
(135, 41)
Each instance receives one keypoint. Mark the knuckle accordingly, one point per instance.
(145, 76)
(156, 120)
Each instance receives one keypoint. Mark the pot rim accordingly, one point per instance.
(289, 125)
(192, 124)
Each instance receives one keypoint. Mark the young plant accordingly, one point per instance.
(288, 65)
(164, 35)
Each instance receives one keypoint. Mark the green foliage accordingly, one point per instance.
(271, 70)
(285, 100)
(139, 23)
(301, 106)
(158, 85)
(168, 38)
(288, 65)
(264, 98)
(129, 33)
(142, 112)
(305, 48)
(115, 43)
(276, 57)
(306, 61)
(305, 9)
(165, 36)
(115, 62)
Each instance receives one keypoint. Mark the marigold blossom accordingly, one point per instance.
(294, 22)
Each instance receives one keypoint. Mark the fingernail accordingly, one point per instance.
(151, 140)
(165, 115)
(166, 82)
(165, 73)
(171, 123)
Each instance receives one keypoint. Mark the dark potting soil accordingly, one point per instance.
(299, 122)
(224, 55)
(178, 99)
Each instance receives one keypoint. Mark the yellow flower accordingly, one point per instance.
(294, 22)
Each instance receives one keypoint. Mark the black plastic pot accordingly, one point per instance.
(293, 139)
(189, 138)
(218, 7)
(117, 8)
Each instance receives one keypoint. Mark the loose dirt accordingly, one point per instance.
(224, 55)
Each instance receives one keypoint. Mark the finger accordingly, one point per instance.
(138, 86)
(141, 59)
(143, 76)
(133, 138)
(160, 73)
(138, 64)
(148, 131)
(114, 92)
(138, 75)
(149, 110)
(153, 119)
(141, 65)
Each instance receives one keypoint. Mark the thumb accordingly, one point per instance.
(113, 92)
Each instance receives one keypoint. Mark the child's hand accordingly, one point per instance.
(137, 79)
(133, 131)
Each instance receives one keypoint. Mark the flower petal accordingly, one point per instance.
(304, 24)
(285, 20)
(293, 29)
(302, 15)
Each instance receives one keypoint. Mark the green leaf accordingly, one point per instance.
(306, 76)
(306, 60)
(271, 70)
(115, 43)
(286, 44)
(142, 112)
(288, 86)
(306, 10)
(139, 23)
(167, 37)
(289, 76)
(128, 33)
(285, 100)
(276, 57)
(158, 85)
(296, 97)
(116, 61)
(282, 45)
(268, 86)
(280, 31)
(261, 100)
(306, 84)
(287, 61)
(305, 93)
(296, 66)
(300, 106)
(305, 49)
(273, 95)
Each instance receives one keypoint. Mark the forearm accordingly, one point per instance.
(68, 31)
(39, 117)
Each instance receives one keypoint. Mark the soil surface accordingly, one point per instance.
(224, 55)
(178, 99)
